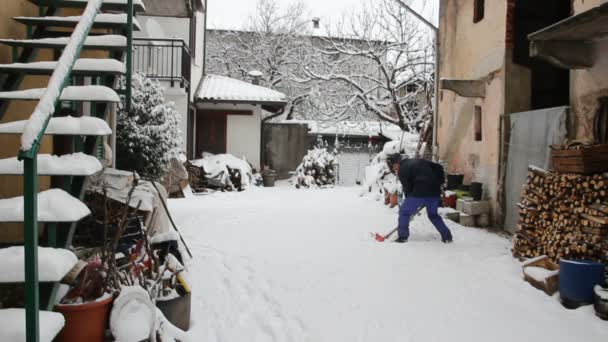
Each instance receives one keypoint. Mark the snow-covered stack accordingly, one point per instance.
(318, 168)
(221, 171)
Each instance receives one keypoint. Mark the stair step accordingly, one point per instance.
(13, 324)
(54, 205)
(104, 42)
(77, 164)
(107, 5)
(74, 93)
(83, 66)
(67, 125)
(102, 21)
(53, 264)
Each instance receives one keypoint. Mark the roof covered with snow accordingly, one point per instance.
(221, 89)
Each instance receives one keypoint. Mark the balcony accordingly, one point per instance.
(163, 59)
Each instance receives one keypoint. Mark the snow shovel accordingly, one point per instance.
(382, 238)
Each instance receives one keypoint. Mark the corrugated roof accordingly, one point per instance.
(217, 89)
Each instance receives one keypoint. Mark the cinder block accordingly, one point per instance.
(459, 204)
(476, 208)
(455, 216)
(483, 220)
(467, 220)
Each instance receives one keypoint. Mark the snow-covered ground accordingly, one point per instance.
(282, 265)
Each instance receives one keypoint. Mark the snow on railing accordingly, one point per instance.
(46, 106)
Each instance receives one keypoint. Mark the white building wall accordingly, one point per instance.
(351, 167)
(244, 132)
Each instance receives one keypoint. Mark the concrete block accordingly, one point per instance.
(483, 220)
(455, 216)
(476, 208)
(459, 204)
(467, 220)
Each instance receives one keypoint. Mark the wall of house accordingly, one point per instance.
(243, 133)
(586, 86)
(472, 51)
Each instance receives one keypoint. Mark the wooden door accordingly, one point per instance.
(211, 131)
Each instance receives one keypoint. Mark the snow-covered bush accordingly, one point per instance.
(148, 137)
(318, 168)
(379, 179)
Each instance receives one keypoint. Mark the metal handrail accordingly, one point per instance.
(166, 59)
(30, 145)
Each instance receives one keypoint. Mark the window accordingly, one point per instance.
(478, 124)
(479, 10)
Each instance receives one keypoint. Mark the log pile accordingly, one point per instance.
(199, 182)
(318, 169)
(563, 215)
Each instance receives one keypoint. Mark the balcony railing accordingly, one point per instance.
(163, 59)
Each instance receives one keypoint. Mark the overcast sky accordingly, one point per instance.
(233, 14)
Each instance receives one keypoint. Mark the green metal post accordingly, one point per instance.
(129, 74)
(32, 296)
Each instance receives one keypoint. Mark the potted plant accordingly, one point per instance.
(269, 176)
(86, 306)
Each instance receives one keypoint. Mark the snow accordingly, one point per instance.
(13, 325)
(279, 264)
(73, 93)
(77, 164)
(215, 166)
(133, 315)
(351, 128)
(82, 64)
(53, 264)
(54, 205)
(108, 40)
(539, 274)
(104, 18)
(221, 88)
(55, 87)
(67, 125)
(601, 292)
(531, 261)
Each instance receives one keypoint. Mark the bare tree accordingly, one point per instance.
(379, 59)
(269, 43)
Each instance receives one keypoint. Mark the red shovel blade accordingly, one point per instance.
(379, 238)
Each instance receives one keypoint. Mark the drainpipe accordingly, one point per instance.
(435, 30)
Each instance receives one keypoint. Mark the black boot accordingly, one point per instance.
(401, 240)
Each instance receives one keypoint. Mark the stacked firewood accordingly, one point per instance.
(318, 169)
(563, 215)
(199, 182)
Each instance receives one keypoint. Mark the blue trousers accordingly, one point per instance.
(409, 208)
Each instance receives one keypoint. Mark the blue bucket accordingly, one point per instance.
(576, 281)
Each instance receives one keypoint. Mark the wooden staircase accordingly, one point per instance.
(59, 209)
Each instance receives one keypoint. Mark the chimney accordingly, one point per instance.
(255, 76)
(316, 23)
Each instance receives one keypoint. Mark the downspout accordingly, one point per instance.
(262, 140)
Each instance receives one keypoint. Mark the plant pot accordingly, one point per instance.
(577, 280)
(85, 322)
(177, 310)
(268, 179)
(476, 191)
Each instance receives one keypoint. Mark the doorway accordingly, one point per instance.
(211, 133)
(550, 85)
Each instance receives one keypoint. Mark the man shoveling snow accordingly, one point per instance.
(421, 180)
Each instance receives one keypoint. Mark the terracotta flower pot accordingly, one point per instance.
(85, 322)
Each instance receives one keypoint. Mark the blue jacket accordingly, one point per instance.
(421, 178)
